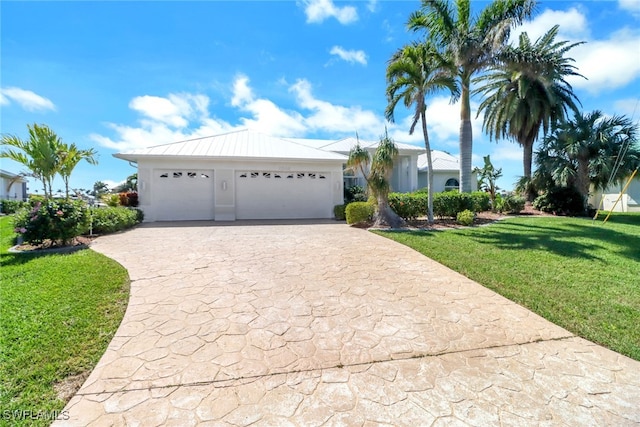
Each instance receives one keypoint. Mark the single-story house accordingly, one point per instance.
(12, 186)
(629, 202)
(405, 170)
(446, 172)
(237, 175)
(249, 175)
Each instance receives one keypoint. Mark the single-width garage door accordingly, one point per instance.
(183, 194)
(283, 195)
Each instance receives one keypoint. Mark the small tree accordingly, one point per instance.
(487, 180)
(70, 156)
(378, 178)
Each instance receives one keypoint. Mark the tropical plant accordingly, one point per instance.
(413, 73)
(99, 189)
(487, 179)
(528, 91)
(377, 172)
(70, 156)
(472, 42)
(589, 150)
(39, 153)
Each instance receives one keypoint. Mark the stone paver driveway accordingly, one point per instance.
(321, 324)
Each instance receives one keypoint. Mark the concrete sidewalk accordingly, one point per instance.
(322, 324)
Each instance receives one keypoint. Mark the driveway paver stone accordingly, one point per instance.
(306, 324)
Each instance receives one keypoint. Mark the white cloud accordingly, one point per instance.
(185, 116)
(507, 151)
(328, 117)
(176, 110)
(372, 5)
(629, 107)
(631, 5)
(351, 56)
(608, 64)
(319, 10)
(573, 25)
(27, 99)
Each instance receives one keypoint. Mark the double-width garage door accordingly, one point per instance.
(282, 195)
(184, 194)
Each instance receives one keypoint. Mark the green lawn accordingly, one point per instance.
(580, 274)
(57, 316)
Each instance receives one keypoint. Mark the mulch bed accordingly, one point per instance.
(48, 246)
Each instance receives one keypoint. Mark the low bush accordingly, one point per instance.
(339, 212)
(512, 204)
(481, 201)
(56, 220)
(409, 205)
(357, 212)
(128, 199)
(112, 219)
(561, 200)
(355, 194)
(10, 207)
(465, 217)
(112, 200)
(450, 203)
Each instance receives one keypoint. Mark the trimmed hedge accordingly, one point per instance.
(339, 212)
(12, 206)
(409, 205)
(359, 212)
(112, 219)
(512, 204)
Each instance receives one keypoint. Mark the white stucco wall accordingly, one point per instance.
(13, 191)
(440, 178)
(225, 176)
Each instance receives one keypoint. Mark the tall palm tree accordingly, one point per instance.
(70, 156)
(528, 91)
(39, 153)
(413, 73)
(472, 41)
(589, 150)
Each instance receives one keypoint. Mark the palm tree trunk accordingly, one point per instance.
(427, 146)
(527, 159)
(385, 216)
(582, 179)
(466, 136)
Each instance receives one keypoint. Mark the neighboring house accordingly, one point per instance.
(405, 170)
(629, 202)
(446, 172)
(237, 175)
(12, 186)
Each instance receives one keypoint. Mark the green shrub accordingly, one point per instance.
(56, 220)
(409, 205)
(359, 212)
(481, 201)
(512, 204)
(10, 207)
(112, 219)
(339, 212)
(112, 200)
(449, 203)
(355, 194)
(560, 200)
(465, 217)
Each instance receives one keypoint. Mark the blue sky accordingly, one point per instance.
(121, 75)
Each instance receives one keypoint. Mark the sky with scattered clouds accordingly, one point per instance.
(117, 76)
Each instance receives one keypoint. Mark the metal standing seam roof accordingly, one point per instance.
(440, 160)
(238, 144)
(346, 144)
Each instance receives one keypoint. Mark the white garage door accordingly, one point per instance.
(283, 195)
(181, 195)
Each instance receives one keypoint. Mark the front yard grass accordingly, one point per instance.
(580, 274)
(58, 313)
